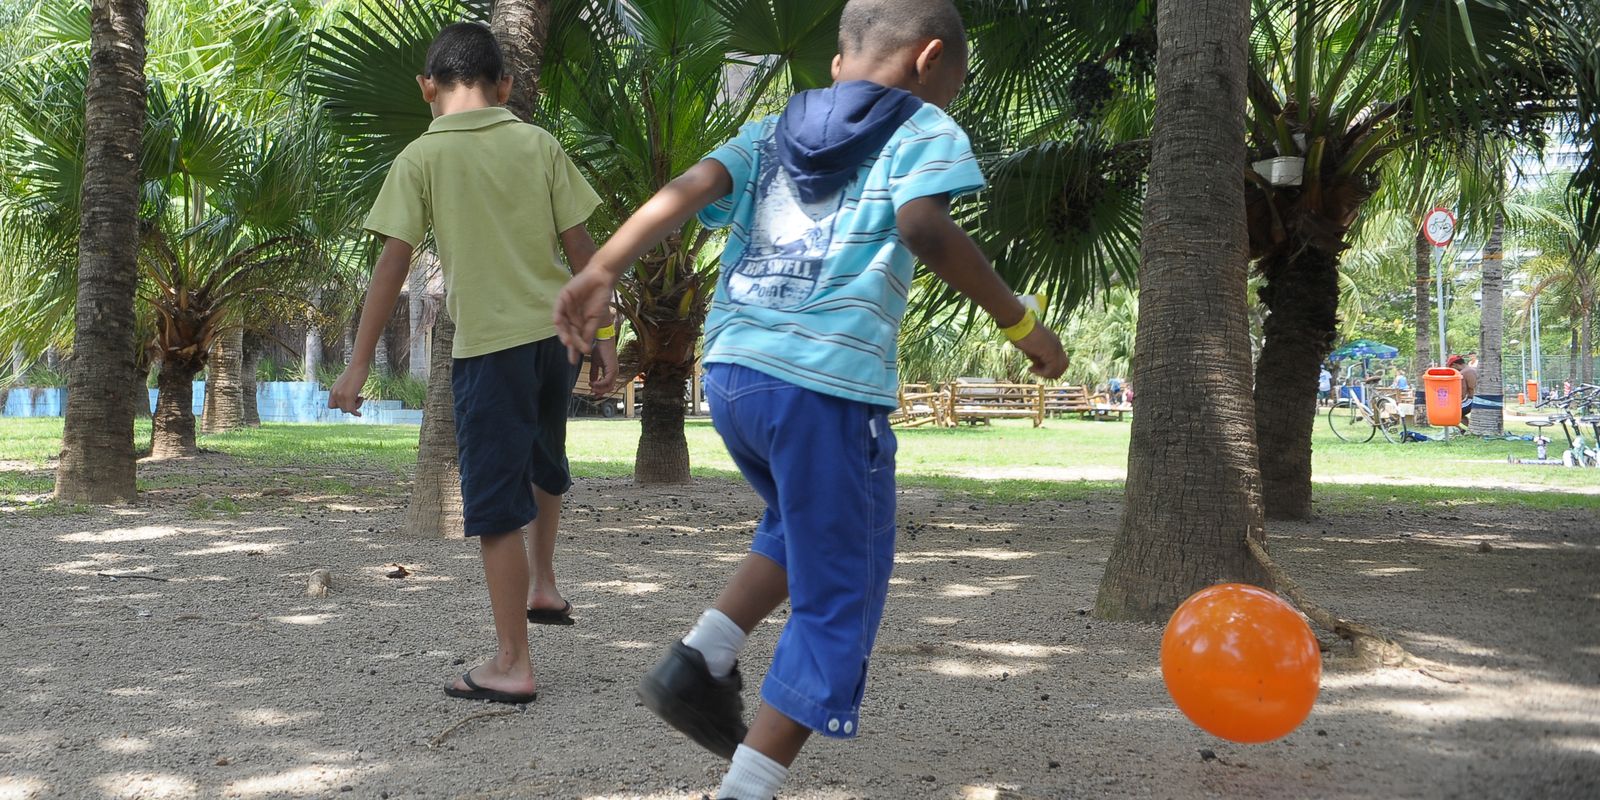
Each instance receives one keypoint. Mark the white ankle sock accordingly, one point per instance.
(752, 776)
(717, 638)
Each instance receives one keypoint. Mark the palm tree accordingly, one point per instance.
(97, 460)
(223, 224)
(253, 79)
(1565, 275)
(1193, 429)
(1059, 111)
(1342, 87)
(1346, 87)
(637, 92)
(1488, 417)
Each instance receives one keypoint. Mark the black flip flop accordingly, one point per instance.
(476, 692)
(548, 616)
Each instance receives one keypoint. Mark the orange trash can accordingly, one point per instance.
(1443, 388)
(1533, 391)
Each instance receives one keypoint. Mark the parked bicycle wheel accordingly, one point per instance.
(1389, 420)
(1350, 423)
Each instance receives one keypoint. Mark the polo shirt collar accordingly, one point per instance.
(471, 120)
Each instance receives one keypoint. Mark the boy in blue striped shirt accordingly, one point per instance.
(827, 205)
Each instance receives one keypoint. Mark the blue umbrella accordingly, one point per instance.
(1364, 349)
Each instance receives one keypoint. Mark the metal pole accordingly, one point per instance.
(1538, 352)
(1438, 271)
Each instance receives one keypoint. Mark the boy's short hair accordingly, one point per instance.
(886, 26)
(465, 53)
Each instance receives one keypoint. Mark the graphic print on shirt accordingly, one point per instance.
(788, 240)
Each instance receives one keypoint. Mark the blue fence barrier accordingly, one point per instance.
(277, 401)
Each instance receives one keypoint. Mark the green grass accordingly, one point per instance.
(959, 461)
(363, 447)
(1345, 498)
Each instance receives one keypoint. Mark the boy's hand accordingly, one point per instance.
(1043, 348)
(346, 392)
(603, 368)
(581, 308)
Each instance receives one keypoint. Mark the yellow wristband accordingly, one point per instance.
(1019, 331)
(608, 332)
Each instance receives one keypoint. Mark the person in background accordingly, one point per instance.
(1469, 383)
(1324, 386)
(1114, 385)
(1400, 381)
(501, 198)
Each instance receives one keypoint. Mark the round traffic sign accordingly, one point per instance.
(1439, 226)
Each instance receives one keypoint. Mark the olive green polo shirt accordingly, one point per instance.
(497, 193)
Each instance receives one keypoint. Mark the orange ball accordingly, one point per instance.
(1241, 663)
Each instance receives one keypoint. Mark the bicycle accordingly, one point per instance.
(1350, 416)
(1579, 453)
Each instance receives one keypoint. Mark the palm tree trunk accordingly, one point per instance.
(1572, 360)
(311, 360)
(1302, 301)
(663, 453)
(1488, 416)
(380, 355)
(1193, 491)
(141, 387)
(97, 455)
(252, 363)
(417, 307)
(173, 428)
(522, 27)
(1586, 339)
(1423, 318)
(224, 406)
(435, 508)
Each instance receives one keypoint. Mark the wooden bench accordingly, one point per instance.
(1066, 399)
(972, 402)
(920, 404)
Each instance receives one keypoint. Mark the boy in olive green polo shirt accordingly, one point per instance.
(501, 198)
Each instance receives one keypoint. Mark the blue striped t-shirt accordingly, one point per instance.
(813, 293)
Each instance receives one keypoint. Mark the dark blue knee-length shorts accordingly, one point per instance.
(511, 432)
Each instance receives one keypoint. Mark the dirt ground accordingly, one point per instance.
(990, 681)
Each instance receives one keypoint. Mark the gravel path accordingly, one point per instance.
(225, 680)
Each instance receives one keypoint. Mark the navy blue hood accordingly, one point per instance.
(825, 135)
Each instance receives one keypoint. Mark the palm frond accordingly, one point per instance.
(363, 68)
(804, 35)
(1060, 218)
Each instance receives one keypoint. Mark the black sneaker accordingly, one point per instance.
(682, 692)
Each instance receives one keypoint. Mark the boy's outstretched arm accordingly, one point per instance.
(583, 306)
(388, 277)
(929, 232)
(580, 250)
